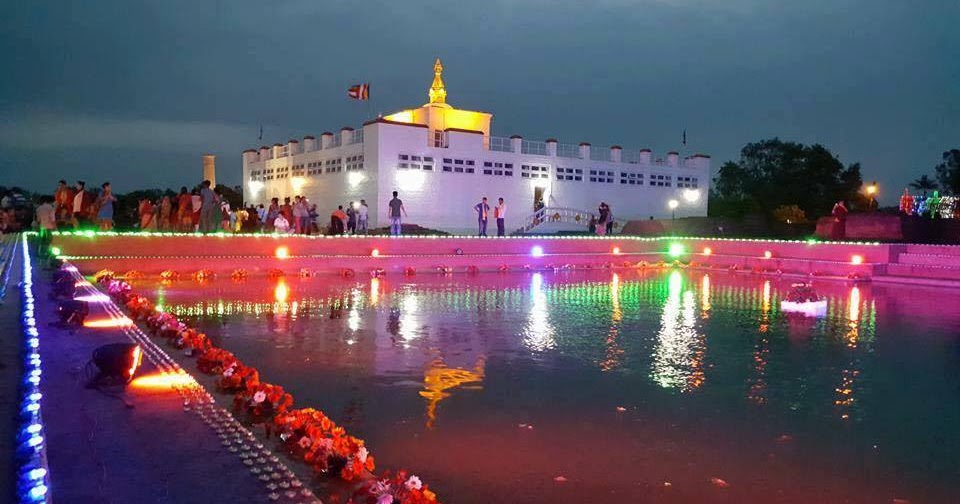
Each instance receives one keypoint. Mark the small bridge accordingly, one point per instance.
(553, 219)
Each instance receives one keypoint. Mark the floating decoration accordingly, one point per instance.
(503, 268)
(203, 275)
(239, 274)
(169, 275)
(444, 270)
(274, 273)
(473, 270)
(804, 300)
(376, 273)
(347, 273)
(103, 274)
(304, 273)
(409, 271)
(133, 275)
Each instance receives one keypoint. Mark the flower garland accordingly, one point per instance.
(306, 433)
(802, 293)
(169, 275)
(238, 275)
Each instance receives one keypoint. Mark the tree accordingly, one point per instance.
(773, 173)
(948, 172)
(924, 183)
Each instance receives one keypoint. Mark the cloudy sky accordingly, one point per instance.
(134, 92)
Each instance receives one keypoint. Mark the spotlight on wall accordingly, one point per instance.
(55, 251)
(676, 250)
(856, 259)
(767, 254)
(118, 360)
(616, 250)
(459, 251)
(282, 252)
(536, 251)
(707, 251)
(375, 253)
(691, 195)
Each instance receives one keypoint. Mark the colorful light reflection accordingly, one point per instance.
(108, 322)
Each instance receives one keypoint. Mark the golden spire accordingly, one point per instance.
(438, 93)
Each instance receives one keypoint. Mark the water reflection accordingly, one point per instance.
(679, 351)
(439, 379)
(845, 397)
(757, 391)
(538, 334)
(614, 352)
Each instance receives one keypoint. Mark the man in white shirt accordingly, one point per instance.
(500, 212)
(362, 217)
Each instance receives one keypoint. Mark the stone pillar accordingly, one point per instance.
(210, 169)
(264, 153)
(552, 147)
(645, 156)
(346, 135)
(326, 138)
(516, 143)
(584, 150)
(309, 143)
(616, 154)
(673, 158)
(249, 156)
(293, 147)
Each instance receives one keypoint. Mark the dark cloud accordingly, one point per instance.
(103, 89)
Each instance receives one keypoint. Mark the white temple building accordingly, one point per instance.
(442, 160)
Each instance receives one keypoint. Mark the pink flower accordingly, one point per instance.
(259, 397)
(304, 442)
(385, 499)
(362, 454)
(227, 373)
(413, 483)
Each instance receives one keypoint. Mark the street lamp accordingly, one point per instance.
(673, 204)
(691, 195)
(872, 192)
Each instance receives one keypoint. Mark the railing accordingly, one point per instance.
(440, 140)
(354, 137)
(533, 147)
(600, 155)
(500, 144)
(630, 156)
(335, 141)
(562, 215)
(568, 151)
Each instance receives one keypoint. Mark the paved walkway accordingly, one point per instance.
(132, 445)
(11, 343)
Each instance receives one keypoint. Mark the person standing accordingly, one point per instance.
(184, 211)
(272, 214)
(482, 209)
(63, 202)
(499, 213)
(300, 213)
(839, 214)
(395, 207)
(105, 204)
(82, 200)
(602, 220)
(351, 218)
(208, 208)
(338, 221)
(609, 218)
(166, 209)
(362, 216)
(196, 205)
(261, 213)
(46, 216)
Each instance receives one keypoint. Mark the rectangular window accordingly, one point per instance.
(488, 164)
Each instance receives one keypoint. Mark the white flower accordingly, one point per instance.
(413, 483)
(385, 499)
(259, 397)
(381, 487)
(227, 373)
(362, 454)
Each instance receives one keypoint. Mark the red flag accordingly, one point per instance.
(359, 92)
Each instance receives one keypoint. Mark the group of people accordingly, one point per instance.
(483, 214)
(77, 207)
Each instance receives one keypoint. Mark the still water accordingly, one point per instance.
(656, 386)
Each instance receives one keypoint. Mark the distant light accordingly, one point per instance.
(707, 251)
(298, 183)
(691, 195)
(616, 250)
(676, 250)
(254, 186)
(280, 292)
(375, 253)
(673, 204)
(282, 252)
(55, 250)
(355, 178)
(767, 254)
(93, 298)
(536, 251)
(162, 381)
(872, 189)
(856, 259)
(109, 322)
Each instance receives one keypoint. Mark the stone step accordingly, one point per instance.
(929, 259)
(950, 250)
(924, 271)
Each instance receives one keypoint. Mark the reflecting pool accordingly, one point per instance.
(628, 386)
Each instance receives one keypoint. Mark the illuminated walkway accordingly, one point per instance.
(136, 445)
